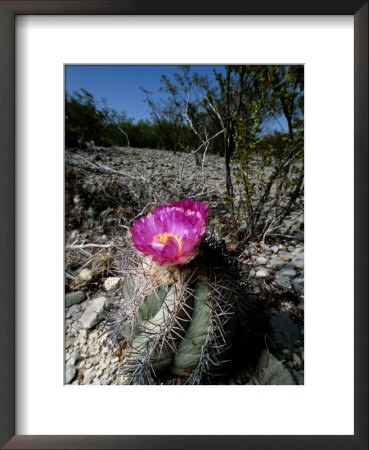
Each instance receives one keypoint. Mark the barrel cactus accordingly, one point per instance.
(177, 310)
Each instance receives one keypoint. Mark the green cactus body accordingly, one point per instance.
(182, 322)
(147, 309)
(159, 332)
(172, 330)
(189, 350)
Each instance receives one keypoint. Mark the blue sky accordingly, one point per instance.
(120, 85)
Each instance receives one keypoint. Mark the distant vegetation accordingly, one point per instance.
(169, 127)
(86, 121)
(233, 115)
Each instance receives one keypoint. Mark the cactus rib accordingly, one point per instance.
(180, 319)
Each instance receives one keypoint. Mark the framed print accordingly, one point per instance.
(254, 66)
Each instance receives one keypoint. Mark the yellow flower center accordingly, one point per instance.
(163, 238)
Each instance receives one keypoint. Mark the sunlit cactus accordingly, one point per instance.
(178, 306)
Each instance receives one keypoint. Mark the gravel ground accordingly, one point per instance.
(105, 190)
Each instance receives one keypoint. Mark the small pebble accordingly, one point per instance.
(70, 373)
(261, 260)
(111, 283)
(262, 273)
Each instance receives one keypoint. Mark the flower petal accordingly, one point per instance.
(172, 233)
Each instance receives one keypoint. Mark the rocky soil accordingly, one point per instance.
(105, 190)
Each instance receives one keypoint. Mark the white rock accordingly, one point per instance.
(298, 261)
(262, 273)
(277, 264)
(82, 342)
(93, 314)
(69, 341)
(299, 250)
(298, 285)
(261, 260)
(75, 354)
(89, 375)
(283, 282)
(71, 361)
(105, 379)
(288, 273)
(111, 283)
(88, 364)
(93, 336)
(77, 200)
(70, 373)
(252, 249)
(102, 339)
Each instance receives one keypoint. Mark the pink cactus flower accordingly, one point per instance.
(172, 233)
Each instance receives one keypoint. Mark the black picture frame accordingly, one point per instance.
(8, 12)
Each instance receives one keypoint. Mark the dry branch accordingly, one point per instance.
(140, 179)
(78, 246)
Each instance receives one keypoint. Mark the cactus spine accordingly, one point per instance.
(179, 319)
